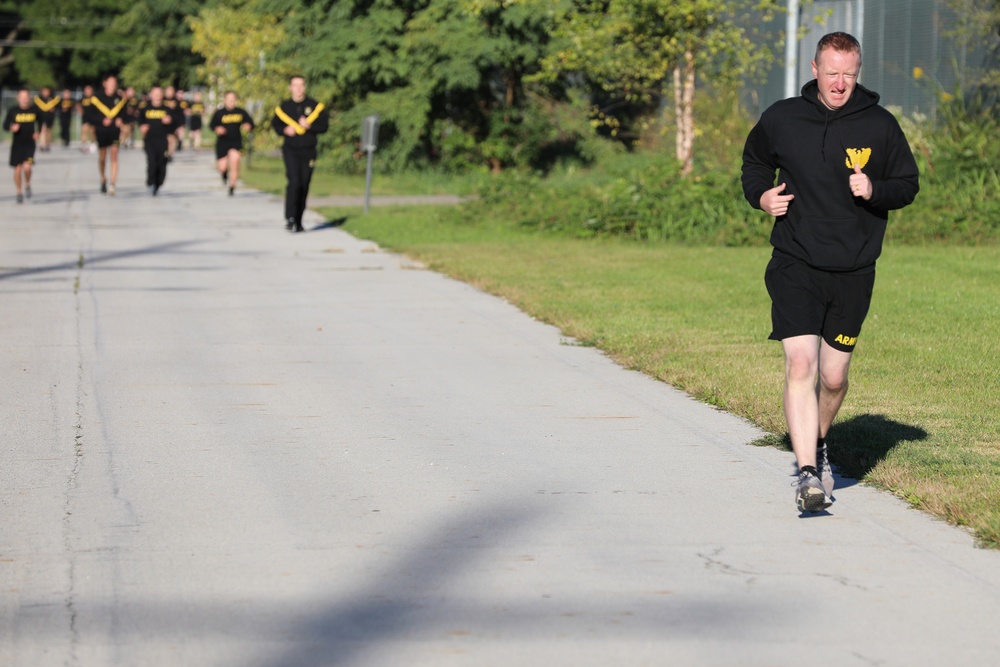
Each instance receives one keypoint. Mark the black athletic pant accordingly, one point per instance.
(299, 164)
(156, 162)
(64, 126)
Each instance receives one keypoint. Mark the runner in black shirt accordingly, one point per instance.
(46, 104)
(156, 123)
(66, 106)
(86, 129)
(23, 121)
(129, 118)
(106, 114)
(299, 120)
(197, 110)
(229, 123)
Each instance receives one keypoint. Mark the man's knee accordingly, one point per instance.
(834, 379)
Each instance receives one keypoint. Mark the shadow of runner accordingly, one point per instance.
(329, 224)
(858, 444)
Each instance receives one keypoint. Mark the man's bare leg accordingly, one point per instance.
(815, 387)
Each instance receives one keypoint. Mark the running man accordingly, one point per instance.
(300, 120)
(66, 106)
(156, 123)
(129, 118)
(229, 123)
(184, 111)
(106, 116)
(23, 122)
(46, 104)
(195, 121)
(842, 164)
(86, 130)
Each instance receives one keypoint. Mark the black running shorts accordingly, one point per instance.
(222, 148)
(807, 301)
(108, 137)
(21, 152)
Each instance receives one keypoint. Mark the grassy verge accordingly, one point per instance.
(923, 416)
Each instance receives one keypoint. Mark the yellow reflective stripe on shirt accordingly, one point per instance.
(46, 106)
(311, 118)
(108, 113)
(279, 112)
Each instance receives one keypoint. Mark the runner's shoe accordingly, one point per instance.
(231, 191)
(809, 494)
(104, 188)
(27, 192)
(111, 189)
(825, 471)
(20, 198)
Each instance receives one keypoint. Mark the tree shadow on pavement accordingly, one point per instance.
(80, 262)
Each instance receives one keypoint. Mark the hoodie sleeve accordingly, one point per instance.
(758, 165)
(901, 182)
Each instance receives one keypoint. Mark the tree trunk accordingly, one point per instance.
(684, 112)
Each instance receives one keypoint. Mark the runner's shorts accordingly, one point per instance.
(21, 153)
(807, 301)
(108, 137)
(222, 148)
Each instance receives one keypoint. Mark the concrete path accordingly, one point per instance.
(228, 445)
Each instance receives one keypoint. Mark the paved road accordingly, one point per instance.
(227, 445)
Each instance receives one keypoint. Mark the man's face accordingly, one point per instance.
(110, 85)
(230, 101)
(169, 91)
(88, 91)
(297, 87)
(836, 73)
(23, 99)
(67, 94)
(156, 96)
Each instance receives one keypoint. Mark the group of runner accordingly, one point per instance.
(112, 118)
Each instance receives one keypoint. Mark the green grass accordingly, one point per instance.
(922, 418)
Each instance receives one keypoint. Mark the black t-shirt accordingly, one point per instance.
(154, 117)
(232, 120)
(28, 120)
(111, 107)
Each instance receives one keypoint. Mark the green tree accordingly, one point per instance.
(445, 77)
(160, 42)
(642, 50)
(67, 40)
(238, 45)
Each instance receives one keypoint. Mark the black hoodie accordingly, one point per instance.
(814, 150)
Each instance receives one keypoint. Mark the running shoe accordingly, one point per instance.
(225, 177)
(231, 191)
(20, 198)
(111, 189)
(809, 494)
(104, 188)
(27, 191)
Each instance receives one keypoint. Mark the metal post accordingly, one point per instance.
(369, 140)
(368, 180)
(791, 48)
